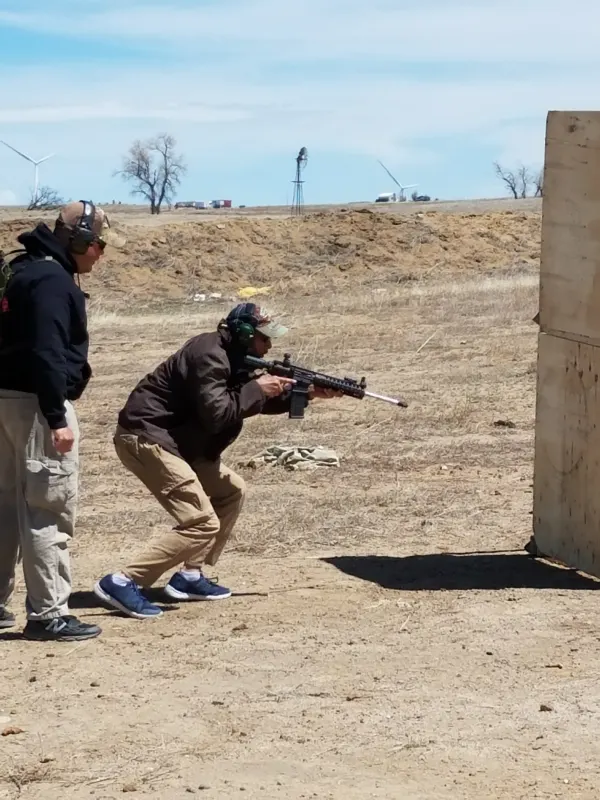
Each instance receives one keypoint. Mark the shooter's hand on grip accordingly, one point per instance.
(273, 385)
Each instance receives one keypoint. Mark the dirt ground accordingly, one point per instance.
(387, 636)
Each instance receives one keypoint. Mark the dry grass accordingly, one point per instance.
(360, 657)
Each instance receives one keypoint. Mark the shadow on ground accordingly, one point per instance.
(84, 599)
(456, 571)
(88, 600)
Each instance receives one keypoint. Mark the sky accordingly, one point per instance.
(438, 90)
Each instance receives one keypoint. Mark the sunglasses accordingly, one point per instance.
(102, 242)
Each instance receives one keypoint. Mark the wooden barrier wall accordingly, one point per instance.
(567, 435)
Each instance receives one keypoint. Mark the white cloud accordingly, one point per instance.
(118, 110)
(7, 197)
(486, 31)
(366, 115)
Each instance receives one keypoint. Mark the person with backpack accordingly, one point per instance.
(43, 369)
(171, 435)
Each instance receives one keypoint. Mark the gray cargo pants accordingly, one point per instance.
(38, 499)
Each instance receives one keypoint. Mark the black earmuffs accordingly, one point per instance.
(82, 235)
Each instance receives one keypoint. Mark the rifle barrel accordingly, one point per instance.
(396, 401)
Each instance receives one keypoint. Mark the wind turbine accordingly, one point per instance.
(32, 161)
(402, 188)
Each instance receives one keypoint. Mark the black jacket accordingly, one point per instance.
(194, 404)
(43, 326)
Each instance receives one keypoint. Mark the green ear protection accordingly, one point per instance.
(243, 331)
(83, 233)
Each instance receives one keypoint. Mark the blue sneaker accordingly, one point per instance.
(181, 588)
(127, 599)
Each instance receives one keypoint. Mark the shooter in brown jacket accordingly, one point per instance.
(171, 434)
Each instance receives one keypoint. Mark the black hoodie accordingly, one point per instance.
(43, 327)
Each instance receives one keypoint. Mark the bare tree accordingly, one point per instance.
(524, 178)
(154, 170)
(45, 199)
(519, 180)
(511, 179)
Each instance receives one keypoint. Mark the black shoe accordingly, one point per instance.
(7, 620)
(60, 629)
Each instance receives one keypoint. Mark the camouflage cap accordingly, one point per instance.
(84, 214)
(259, 319)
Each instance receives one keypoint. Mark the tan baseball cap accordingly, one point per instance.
(84, 214)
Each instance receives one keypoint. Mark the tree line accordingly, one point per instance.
(521, 181)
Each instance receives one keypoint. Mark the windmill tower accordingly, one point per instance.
(298, 199)
(35, 166)
(401, 197)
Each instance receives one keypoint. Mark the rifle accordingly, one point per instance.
(306, 377)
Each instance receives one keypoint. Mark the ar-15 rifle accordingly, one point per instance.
(306, 377)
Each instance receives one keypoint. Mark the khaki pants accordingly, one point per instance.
(205, 500)
(38, 498)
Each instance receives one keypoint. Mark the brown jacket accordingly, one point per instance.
(194, 403)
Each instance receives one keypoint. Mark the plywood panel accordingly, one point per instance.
(567, 453)
(570, 266)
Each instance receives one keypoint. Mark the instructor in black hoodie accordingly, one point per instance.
(43, 370)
